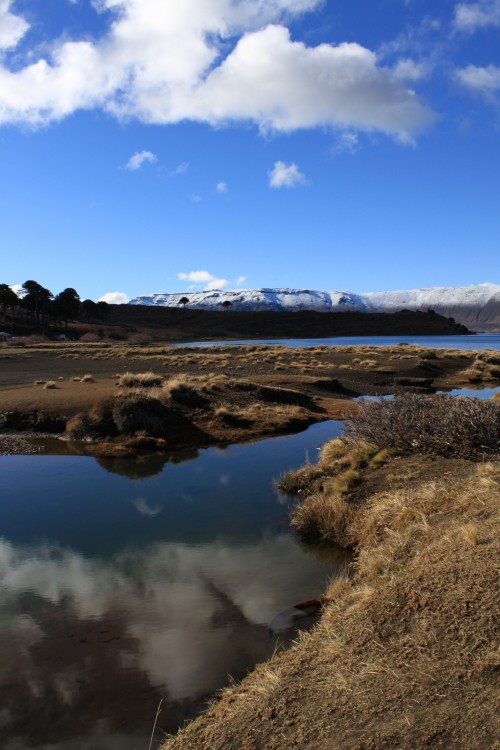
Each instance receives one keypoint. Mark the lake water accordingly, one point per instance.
(477, 341)
(123, 582)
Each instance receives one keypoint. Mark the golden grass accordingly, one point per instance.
(323, 515)
(140, 380)
(344, 482)
(332, 451)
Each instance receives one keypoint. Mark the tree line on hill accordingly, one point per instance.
(38, 307)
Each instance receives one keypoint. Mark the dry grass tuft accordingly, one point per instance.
(345, 482)
(140, 380)
(50, 384)
(470, 533)
(332, 451)
(323, 516)
(87, 379)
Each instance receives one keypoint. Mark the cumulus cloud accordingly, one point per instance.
(205, 279)
(114, 298)
(473, 16)
(12, 27)
(221, 187)
(165, 63)
(240, 281)
(139, 158)
(285, 175)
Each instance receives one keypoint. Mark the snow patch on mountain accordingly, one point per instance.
(475, 306)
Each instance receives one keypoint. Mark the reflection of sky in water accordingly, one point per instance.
(114, 592)
(474, 392)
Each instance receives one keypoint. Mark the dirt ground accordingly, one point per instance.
(244, 389)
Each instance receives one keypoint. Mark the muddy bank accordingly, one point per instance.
(204, 397)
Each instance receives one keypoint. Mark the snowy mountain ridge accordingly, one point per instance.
(476, 306)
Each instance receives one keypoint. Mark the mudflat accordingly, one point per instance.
(208, 396)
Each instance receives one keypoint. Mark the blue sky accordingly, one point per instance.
(156, 145)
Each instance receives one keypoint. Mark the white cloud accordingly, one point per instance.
(139, 158)
(145, 509)
(472, 16)
(180, 169)
(482, 80)
(285, 175)
(240, 281)
(114, 298)
(221, 187)
(409, 70)
(12, 27)
(205, 279)
(196, 198)
(164, 63)
(346, 143)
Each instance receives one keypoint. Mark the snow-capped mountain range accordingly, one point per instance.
(477, 307)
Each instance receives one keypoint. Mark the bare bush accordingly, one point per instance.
(442, 425)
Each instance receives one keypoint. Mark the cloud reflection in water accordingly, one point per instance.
(171, 616)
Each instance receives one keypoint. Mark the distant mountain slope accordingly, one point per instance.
(477, 307)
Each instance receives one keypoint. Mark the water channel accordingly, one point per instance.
(123, 582)
(474, 341)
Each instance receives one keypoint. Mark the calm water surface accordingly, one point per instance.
(125, 582)
(477, 341)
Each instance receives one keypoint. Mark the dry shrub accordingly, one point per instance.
(50, 384)
(87, 379)
(443, 425)
(140, 380)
